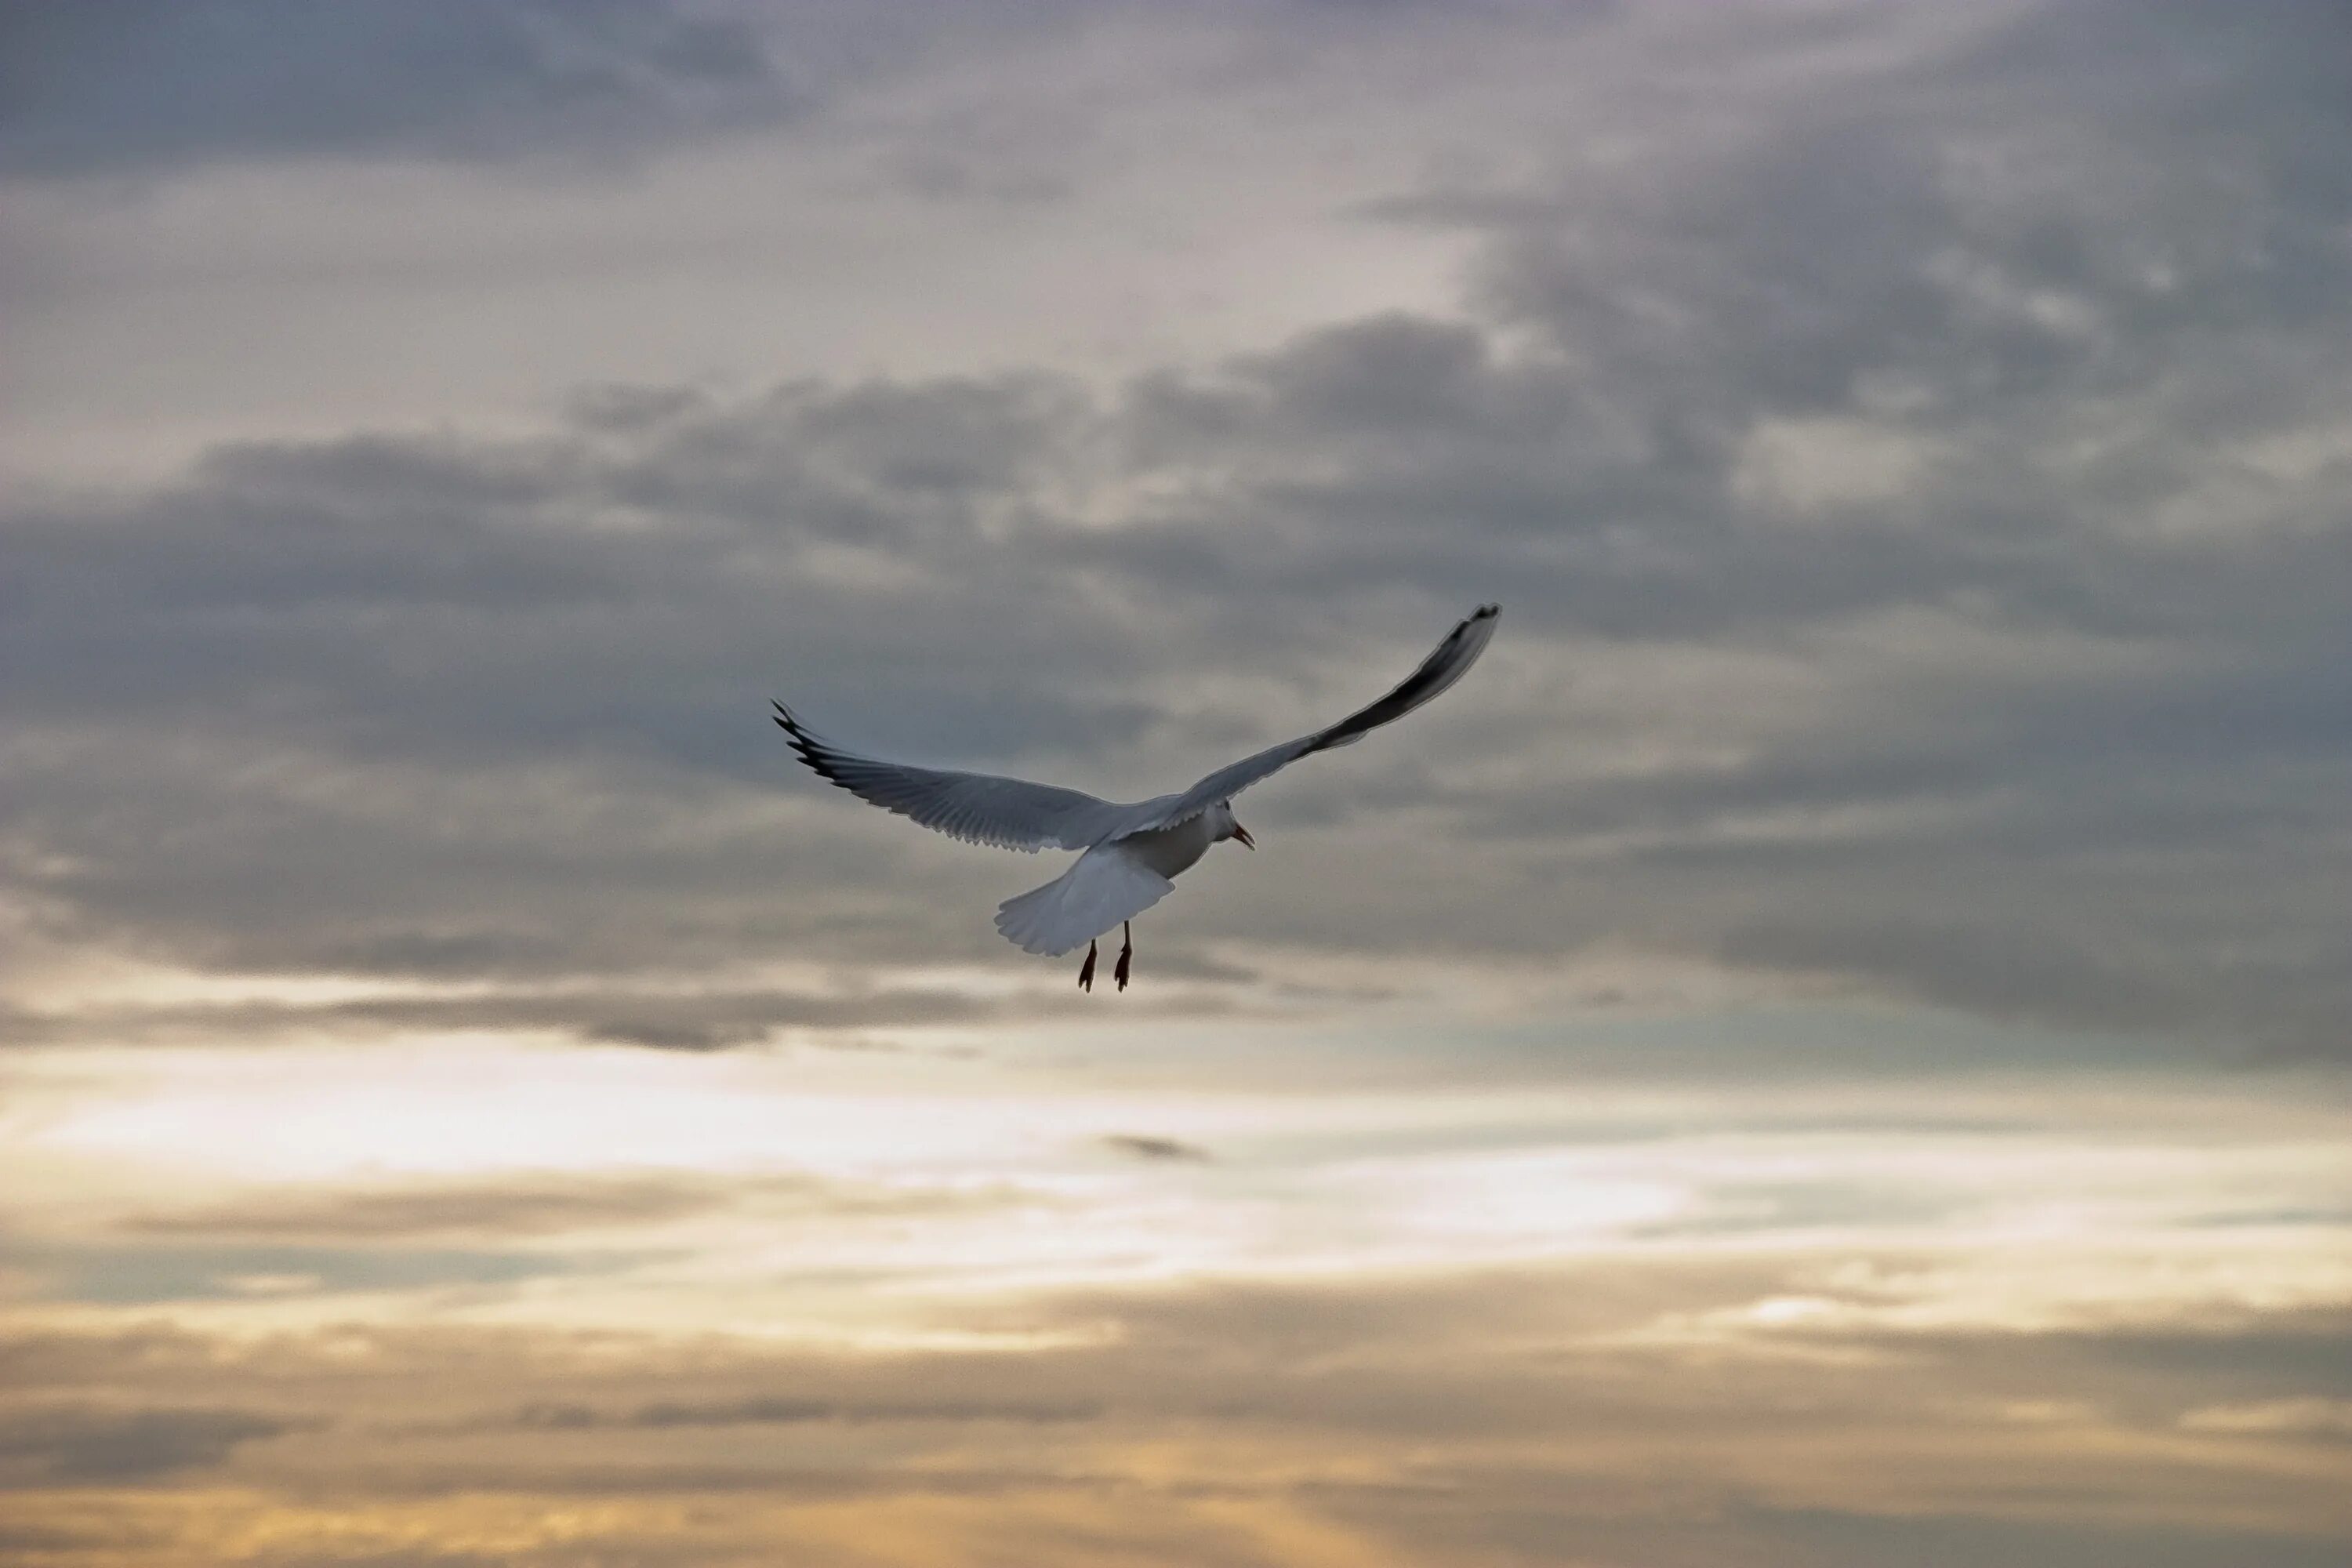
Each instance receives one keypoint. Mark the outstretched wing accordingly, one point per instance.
(1452, 659)
(980, 808)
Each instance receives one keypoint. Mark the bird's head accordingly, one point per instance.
(1222, 816)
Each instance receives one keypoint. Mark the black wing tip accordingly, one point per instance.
(806, 746)
(1484, 613)
(789, 722)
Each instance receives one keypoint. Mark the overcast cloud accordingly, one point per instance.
(1918, 505)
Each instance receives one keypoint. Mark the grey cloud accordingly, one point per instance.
(668, 1036)
(513, 1208)
(1800, 1206)
(439, 624)
(710, 1018)
(1915, 516)
(1929, 219)
(1473, 1411)
(2141, 1377)
(519, 1206)
(89, 1446)
(785, 1411)
(129, 1275)
(115, 86)
(1833, 1539)
(2229, 1354)
(396, 1559)
(1144, 1146)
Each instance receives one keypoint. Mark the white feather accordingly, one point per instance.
(1109, 883)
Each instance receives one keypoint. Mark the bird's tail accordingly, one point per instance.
(1107, 885)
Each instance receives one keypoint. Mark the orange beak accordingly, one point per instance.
(1243, 834)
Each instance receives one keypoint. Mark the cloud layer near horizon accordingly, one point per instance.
(693, 1309)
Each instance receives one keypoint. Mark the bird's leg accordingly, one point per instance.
(1087, 970)
(1126, 953)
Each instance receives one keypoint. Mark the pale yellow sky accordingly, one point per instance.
(331, 1280)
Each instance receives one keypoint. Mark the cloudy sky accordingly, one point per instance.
(1828, 1049)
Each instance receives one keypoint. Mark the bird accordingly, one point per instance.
(1129, 855)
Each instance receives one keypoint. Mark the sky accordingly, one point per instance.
(1828, 1048)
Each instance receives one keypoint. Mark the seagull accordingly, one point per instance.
(1129, 855)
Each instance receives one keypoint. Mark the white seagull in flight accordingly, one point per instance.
(1130, 852)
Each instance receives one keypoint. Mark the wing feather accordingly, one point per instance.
(980, 808)
(1446, 664)
(1014, 814)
